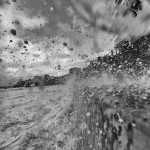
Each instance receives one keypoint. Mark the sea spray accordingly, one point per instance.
(115, 18)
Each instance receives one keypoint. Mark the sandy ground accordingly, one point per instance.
(30, 117)
(80, 115)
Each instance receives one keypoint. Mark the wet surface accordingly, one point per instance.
(76, 116)
(29, 119)
(105, 106)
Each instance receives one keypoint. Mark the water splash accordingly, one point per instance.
(115, 17)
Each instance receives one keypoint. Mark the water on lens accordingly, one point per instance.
(74, 75)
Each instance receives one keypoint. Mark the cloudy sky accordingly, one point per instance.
(40, 37)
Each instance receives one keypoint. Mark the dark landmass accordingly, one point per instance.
(47, 80)
(130, 57)
(5, 87)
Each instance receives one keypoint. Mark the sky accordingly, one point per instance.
(40, 37)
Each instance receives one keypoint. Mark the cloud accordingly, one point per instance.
(11, 13)
(6, 57)
(40, 59)
(27, 55)
(9, 41)
(12, 69)
(39, 55)
(13, 51)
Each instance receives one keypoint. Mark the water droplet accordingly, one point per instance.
(65, 44)
(51, 8)
(88, 114)
(13, 31)
(26, 42)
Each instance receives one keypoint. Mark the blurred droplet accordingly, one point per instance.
(13, 31)
(51, 8)
(65, 44)
(26, 42)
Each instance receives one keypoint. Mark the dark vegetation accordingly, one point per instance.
(131, 57)
(46, 79)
